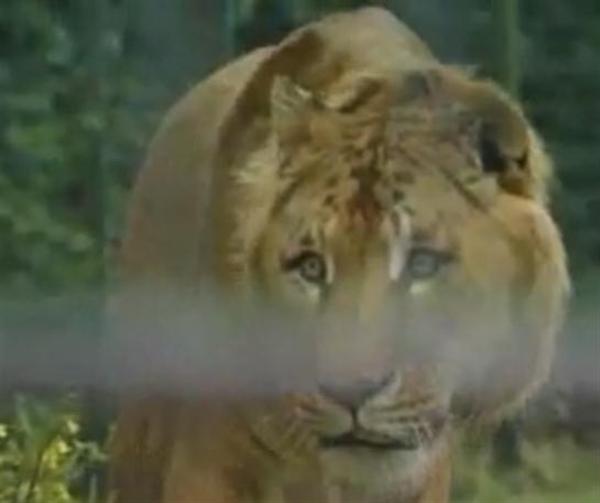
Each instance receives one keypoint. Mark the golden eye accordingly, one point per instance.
(309, 265)
(424, 263)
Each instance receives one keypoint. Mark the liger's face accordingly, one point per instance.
(396, 266)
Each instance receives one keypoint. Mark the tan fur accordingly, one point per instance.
(348, 139)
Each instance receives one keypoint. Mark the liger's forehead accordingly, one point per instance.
(369, 184)
(423, 165)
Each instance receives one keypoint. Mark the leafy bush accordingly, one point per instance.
(42, 457)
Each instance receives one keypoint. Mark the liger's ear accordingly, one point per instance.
(503, 136)
(504, 141)
(357, 91)
(292, 109)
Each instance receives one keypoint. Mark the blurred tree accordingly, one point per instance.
(561, 82)
(63, 120)
(265, 22)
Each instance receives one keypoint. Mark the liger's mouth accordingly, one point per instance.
(351, 440)
(412, 437)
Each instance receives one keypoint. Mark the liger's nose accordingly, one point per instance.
(354, 394)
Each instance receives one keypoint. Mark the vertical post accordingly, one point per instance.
(231, 25)
(505, 21)
(94, 19)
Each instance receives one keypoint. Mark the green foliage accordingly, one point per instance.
(553, 471)
(42, 458)
(69, 135)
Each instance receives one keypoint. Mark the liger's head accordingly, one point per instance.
(410, 221)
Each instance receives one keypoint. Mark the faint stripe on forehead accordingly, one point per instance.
(397, 231)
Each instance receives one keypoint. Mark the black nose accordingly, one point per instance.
(352, 395)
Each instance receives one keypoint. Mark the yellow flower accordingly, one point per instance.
(72, 426)
(62, 447)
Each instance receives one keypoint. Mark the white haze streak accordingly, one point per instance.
(183, 347)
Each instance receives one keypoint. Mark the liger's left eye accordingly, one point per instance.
(424, 263)
(310, 266)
